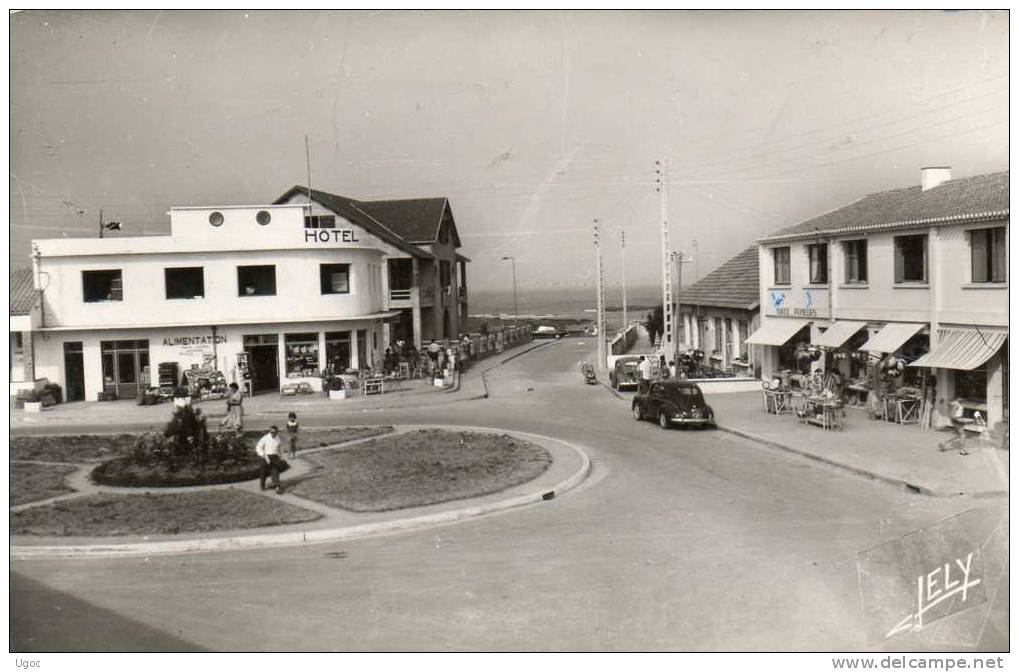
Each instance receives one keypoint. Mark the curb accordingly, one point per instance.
(914, 488)
(297, 538)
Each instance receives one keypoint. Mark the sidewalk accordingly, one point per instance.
(260, 409)
(900, 454)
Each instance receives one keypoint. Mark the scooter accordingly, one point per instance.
(587, 369)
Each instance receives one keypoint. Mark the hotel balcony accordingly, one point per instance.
(408, 298)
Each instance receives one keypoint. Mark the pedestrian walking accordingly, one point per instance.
(292, 433)
(433, 352)
(268, 449)
(959, 422)
(644, 368)
(234, 418)
(672, 369)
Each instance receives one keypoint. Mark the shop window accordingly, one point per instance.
(780, 255)
(256, 280)
(911, 259)
(302, 355)
(856, 261)
(102, 286)
(338, 351)
(320, 221)
(987, 255)
(971, 385)
(185, 283)
(335, 278)
(818, 255)
(261, 339)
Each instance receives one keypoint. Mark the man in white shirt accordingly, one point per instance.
(268, 449)
(644, 368)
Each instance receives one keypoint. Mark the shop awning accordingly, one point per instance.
(839, 333)
(964, 349)
(892, 336)
(777, 331)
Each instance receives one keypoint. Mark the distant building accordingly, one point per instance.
(920, 273)
(719, 312)
(268, 294)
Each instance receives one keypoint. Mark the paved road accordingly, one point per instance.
(680, 540)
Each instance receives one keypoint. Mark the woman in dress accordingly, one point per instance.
(234, 418)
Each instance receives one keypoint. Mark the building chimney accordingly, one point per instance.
(933, 176)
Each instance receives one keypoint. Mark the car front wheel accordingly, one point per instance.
(637, 414)
(663, 420)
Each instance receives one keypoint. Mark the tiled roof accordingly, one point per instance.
(23, 295)
(416, 219)
(731, 285)
(353, 211)
(983, 197)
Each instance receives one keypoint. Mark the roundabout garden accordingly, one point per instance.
(186, 479)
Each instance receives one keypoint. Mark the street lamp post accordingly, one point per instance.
(516, 308)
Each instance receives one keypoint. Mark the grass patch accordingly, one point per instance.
(420, 468)
(169, 513)
(35, 482)
(72, 449)
(316, 438)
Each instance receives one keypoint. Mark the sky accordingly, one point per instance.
(532, 123)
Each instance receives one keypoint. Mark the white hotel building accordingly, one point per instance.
(292, 287)
(918, 272)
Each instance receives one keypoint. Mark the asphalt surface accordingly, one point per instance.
(680, 540)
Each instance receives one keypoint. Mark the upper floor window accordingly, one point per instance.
(256, 280)
(320, 221)
(856, 260)
(987, 255)
(911, 258)
(335, 278)
(818, 255)
(185, 283)
(102, 286)
(781, 258)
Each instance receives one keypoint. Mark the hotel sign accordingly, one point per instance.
(330, 236)
(779, 303)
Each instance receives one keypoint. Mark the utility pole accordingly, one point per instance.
(516, 309)
(622, 240)
(602, 363)
(102, 226)
(677, 257)
(668, 325)
(696, 262)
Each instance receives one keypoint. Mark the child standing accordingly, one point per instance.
(292, 433)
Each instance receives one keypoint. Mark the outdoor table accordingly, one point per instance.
(372, 385)
(831, 413)
(778, 401)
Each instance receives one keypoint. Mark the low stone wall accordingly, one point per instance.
(483, 346)
(623, 341)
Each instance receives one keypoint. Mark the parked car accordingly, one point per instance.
(624, 373)
(547, 332)
(672, 402)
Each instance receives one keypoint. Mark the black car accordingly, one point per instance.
(678, 402)
(624, 373)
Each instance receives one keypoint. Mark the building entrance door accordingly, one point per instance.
(125, 366)
(265, 371)
(74, 371)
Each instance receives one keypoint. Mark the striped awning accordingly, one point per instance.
(777, 331)
(964, 349)
(839, 333)
(892, 336)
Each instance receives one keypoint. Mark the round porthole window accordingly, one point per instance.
(263, 217)
(216, 219)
